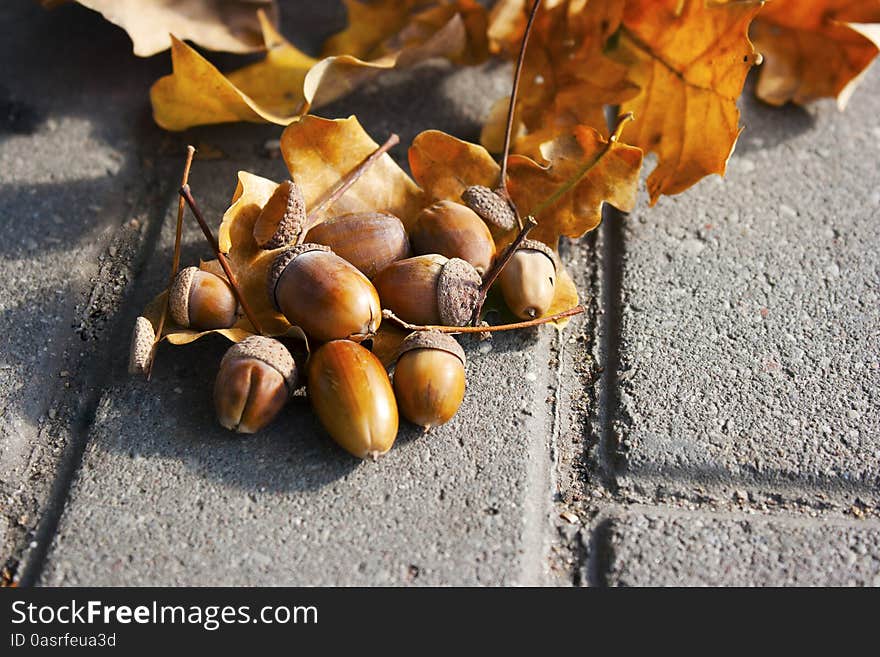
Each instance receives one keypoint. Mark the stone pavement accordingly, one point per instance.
(712, 420)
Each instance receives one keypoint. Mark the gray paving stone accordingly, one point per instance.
(701, 550)
(72, 168)
(750, 314)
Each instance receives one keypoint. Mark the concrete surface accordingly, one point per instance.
(711, 420)
(652, 550)
(750, 334)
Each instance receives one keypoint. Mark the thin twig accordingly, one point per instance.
(343, 185)
(511, 110)
(175, 260)
(387, 314)
(187, 194)
(498, 266)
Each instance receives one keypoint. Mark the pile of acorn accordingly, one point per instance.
(336, 278)
(333, 280)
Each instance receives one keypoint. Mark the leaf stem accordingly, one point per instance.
(175, 261)
(187, 194)
(511, 110)
(387, 314)
(498, 266)
(343, 185)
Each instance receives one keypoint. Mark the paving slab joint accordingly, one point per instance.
(34, 551)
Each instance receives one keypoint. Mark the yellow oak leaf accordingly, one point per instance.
(689, 59)
(321, 152)
(381, 28)
(287, 83)
(444, 166)
(814, 48)
(228, 25)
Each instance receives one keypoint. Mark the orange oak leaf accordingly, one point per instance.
(584, 171)
(565, 196)
(689, 59)
(814, 48)
(567, 79)
(228, 25)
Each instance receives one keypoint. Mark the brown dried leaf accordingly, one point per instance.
(228, 25)
(814, 48)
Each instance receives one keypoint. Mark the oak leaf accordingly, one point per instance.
(287, 83)
(383, 28)
(227, 25)
(321, 152)
(565, 196)
(690, 59)
(814, 49)
(567, 79)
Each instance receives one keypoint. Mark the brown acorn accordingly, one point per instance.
(323, 294)
(256, 378)
(369, 240)
(141, 346)
(282, 218)
(490, 206)
(429, 378)
(201, 300)
(528, 281)
(430, 289)
(455, 231)
(352, 396)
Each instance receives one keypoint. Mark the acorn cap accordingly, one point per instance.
(431, 340)
(178, 295)
(491, 206)
(269, 351)
(458, 288)
(141, 348)
(284, 214)
(535, 245)
(279, 264)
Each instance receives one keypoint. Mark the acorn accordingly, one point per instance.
(323, 294)
(352, 396)
(430, 289)
(368, 240)
(256, 378)
(141, 346)
(490, 206)
(282, 218)
(528, 281)
(429, 378)
(202, 300)
(455, 231)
